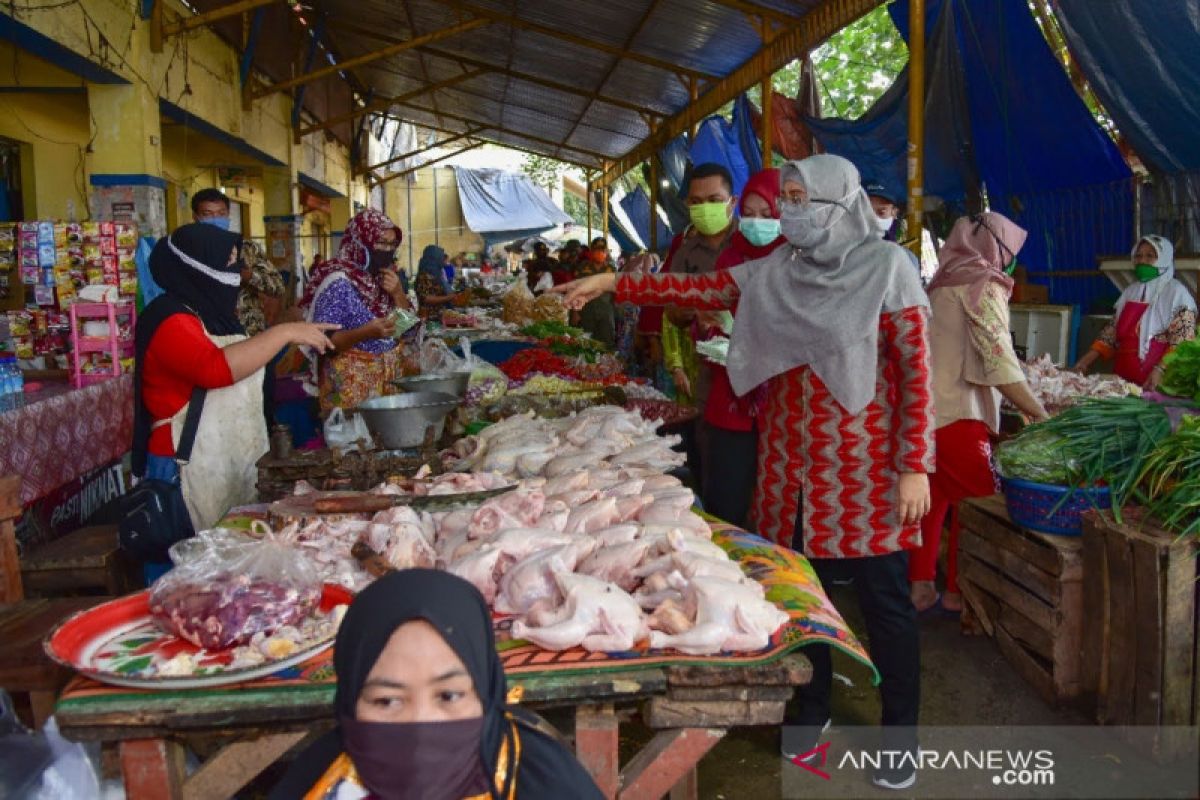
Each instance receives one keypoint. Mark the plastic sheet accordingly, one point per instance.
(505, 205)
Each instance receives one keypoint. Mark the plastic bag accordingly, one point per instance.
(715, 349)
(224, 593)
(436, 358)
(405, 321)
(343, 431)
(1036, 456)
(42, 765)
(545, 283)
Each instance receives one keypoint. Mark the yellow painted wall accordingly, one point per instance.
(197, 72)
(450, 231)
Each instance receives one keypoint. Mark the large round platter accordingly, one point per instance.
(118, 643)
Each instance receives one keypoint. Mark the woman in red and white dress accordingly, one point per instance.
(835, 324)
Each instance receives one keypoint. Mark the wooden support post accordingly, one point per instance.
(152, 769)
(156, 26)
(916, 123)
(693, 96)
(227, 772)
(11, 590)
(768, 119)
(666, 761)
(654, 179)
(590, 194)
(596, 743)
(604, 206)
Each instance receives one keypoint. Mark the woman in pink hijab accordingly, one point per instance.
(973, 367)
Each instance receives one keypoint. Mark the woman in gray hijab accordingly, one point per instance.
(836, 325)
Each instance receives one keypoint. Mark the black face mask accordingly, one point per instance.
(380, 260)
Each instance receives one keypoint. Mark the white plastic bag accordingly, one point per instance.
(544, 284)
(343, 431)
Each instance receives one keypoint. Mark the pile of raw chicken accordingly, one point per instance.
(1057, 389)
(595, 547)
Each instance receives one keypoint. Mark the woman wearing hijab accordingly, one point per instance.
(358, 290)
(973, 366)
(259, 301)
(432, 288)
(188, 338)
(732, 457)
(835, 325)
(1155, 313)
(421, 707)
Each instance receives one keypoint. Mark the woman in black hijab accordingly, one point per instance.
(421, 706)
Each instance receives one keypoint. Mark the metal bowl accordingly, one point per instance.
(451, 383)
(399, 421)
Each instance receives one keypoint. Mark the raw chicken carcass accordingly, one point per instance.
(666, 514)
(629, 488)
(659, 588)
(554, 516)
(481, 569)
(597, 615)
(671, 617)
(618, 534)
(630, 507)
(654, 483)
(532, 579)
(615, 564)
(530, 465)
(572, 482)
(519, 509)
(567, 464)
(575, 498)
(593, 516)
(519, 543)
(729, 617)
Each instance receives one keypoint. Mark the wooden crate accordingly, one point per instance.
(1140, 645)
(1025, 590)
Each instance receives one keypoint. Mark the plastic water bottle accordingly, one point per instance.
(7, 381)
(18, 378)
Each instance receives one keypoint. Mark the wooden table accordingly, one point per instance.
(690, 708)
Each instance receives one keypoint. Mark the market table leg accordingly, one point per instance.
(688, 787)
(596, 745)
(666, 762)
(237, 764)
(152, 769)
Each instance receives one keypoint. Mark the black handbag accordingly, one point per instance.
(153, 514)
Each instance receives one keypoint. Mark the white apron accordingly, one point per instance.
(231, 437)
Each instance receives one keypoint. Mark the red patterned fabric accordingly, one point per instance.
(843, 467)
(62, 433)
(361, 235)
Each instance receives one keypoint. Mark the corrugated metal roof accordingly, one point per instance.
(582, 81)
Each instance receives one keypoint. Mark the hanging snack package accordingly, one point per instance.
(222, 593)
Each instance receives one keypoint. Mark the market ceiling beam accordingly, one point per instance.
(367, 58)
(160, 30)
(580, 41)
(755, 10)
(651, 7)
(815, 27)
(384, 103)
(518, 148)
(490, 126)
(412, 30)
(393, 175)
(458, 136)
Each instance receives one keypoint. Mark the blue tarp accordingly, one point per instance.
(503, 206)
(1141, 61)
(718, 141)
(637, 207)
(1001, 111)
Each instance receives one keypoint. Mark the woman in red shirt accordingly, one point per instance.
(732, 458)
(190, 339)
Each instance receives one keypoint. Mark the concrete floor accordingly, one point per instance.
(964, 681)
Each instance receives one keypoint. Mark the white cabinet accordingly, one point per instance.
(1042, 330)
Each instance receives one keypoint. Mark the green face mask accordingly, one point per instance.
(710, 218)
(1145, 272)
(1011, 268)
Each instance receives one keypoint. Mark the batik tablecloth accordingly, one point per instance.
(59, 433)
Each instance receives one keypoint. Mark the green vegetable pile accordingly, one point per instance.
(1181, 371)
(1169, 482)
(550, 327)
(1098, 441)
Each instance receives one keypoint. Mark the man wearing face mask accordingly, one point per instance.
(886, 205)
(211, 207)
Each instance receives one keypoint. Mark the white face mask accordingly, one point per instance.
(883, 225)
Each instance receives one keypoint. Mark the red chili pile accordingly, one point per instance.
(538, 360)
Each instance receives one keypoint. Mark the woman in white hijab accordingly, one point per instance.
(1155, 313)
(835, 323)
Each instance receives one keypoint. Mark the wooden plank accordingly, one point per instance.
(1024, 630)
(663, 712)
(1116, 706)
(1181, 630)
(1026, 666)
(987, 578)
(1093, 667)
(226, 773)
(783, 693)
(11, 590)
(666, 761)
(988, 517)
(152, 769)
(1042, 583)
(600, 687)
(596, 743)
(1147, 601)
(688, 788)
(1067, 643)
(982, 605)
(793, 669)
